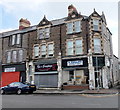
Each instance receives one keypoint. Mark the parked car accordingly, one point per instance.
(18, 87)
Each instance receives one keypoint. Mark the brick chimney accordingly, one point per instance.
(23, 23)
(71, 10)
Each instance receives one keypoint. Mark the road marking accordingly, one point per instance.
(110, 95)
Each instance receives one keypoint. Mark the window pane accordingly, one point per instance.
(78, 50)
(70, 48)
(13, 39)
(36, 51)
(69, 27)
(47, 32)
(78, 43)
(50, 50)
(43, 50)
(70, 44)
(18, 39)
(77, 26)
(41, 33)
(97, 45)
(20, 55)
(14, 56)
(8, 57)
(95, 24)
(78, 46)
(70, 51)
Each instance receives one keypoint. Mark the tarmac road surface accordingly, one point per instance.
(58, 101)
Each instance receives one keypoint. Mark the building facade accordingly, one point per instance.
(73, 52)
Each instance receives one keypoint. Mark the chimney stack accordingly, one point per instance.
(23, 23)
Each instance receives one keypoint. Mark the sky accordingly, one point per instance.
(34, 10)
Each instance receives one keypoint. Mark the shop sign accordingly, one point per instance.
(75, 63)
(78, 62)
(9, 69)
(45, 67)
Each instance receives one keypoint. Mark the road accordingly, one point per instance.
(59, 101)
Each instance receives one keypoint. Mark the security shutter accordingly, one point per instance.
(46, 80)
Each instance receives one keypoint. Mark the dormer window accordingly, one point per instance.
(95, 24)
(44, 33)
(73, 27)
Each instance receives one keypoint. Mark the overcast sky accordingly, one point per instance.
(34, 10)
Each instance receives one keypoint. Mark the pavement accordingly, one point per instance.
(56, 91)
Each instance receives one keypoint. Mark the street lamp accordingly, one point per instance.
(98, 86)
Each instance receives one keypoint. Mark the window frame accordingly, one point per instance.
(9, 57)
(20, 56)
(36, 45)
(72, 47)
(98, 45)
(49, 50)
(95, 24)
(74, 26)
(41, 51)
(14, 56)
(80, 47)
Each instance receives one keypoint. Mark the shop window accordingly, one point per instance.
(43, 50)
(44, 33)
(50, 50)
(14, 56)
(71, 75)
(96, 24)
(8, 57)
(73, 27)
(70, 47)
(78, 47)
(36, 50)
(97, 45)
(20, 54)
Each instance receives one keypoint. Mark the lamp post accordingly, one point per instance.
(98, 87)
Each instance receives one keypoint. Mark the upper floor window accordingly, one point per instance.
(70, 47)
(8, 57)
(50, 49)
(74, 47)
(44, 33)
(43, 50)
(36, 50)
(96, 24)
(78, 46)
(20, 54)
(14, 56)
(16, 39)
(97, 45)
(73, 27)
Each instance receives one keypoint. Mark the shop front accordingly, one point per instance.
(75, 71)
(46, 75)
(13, 73)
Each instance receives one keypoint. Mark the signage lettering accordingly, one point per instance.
(9, 70)
(45, 67)
(75, 63)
